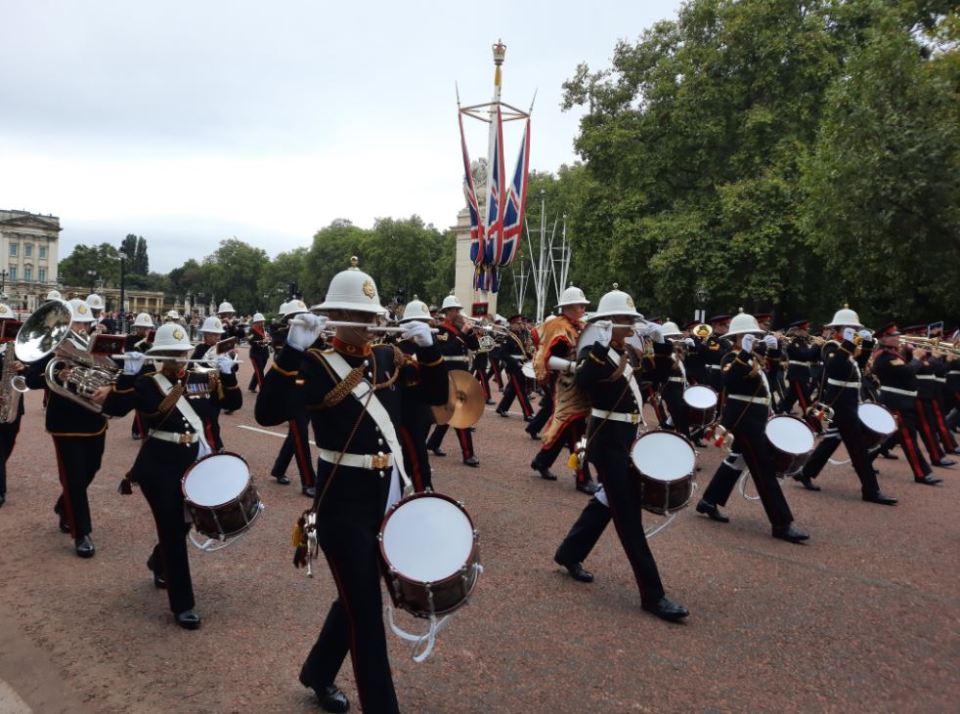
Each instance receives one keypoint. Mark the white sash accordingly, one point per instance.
(614, 357)
(193, 419)
(381, 418)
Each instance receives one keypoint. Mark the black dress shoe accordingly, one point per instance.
(534, 437)
(159, 580)
(135, 437)
(528, 419)
(438, 452)
(791, 533)
(332, 699)
(282, 479)
(945, 462)
(84, 547)
(309, 491)
(712, 511)
(889, 455)
(503, 413)
(576, 570)
(666, 609)
(545, 473)
(588, 487)
(881, 498)
(188, 620)
(806, 482)
(929, 480)
(472, 461)
(489, 401)
(63, 525)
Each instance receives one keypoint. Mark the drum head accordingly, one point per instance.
(876, 418)
(427, 538)
(700, 397)
(215, 480)
(527, 369)
(663, 456)
(790, 435)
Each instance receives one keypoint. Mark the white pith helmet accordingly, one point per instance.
(415, 310)
(257, 317)
(352, 289)
(670, 329)
(572, 296)
(6, 313)
(171, 337)
(743, 323)
(172, 315)
(845, 318)
(94, 301)
(224, 308)
(450, 302)
(212, 325)
(81, 311)
(54, 295)
(282, 310)
(615, 302)
(143, 320)
(293, 307)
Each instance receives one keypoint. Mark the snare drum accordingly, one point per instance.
(701, 403)
(878, 424)
(220, 495)
(429, 548)
(792, 443)
(666, 463)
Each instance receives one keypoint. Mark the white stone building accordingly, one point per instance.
(29, 254)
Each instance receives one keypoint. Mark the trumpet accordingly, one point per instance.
(370, 327)
(929, 343)
(702, 331)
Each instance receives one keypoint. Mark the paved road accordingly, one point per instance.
(864, 618)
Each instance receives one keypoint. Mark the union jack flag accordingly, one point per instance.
(495, 194)
(512, 223)
(477, 248)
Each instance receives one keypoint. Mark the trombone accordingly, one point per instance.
(929, 343)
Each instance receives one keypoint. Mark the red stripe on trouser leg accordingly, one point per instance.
(463, 436)
(481, 376)
(909, 447)
(411, 450)
(65, 503)
(927, 433)
(521, 396)
(945, 435)
(303, 463)
(258, 371)
(801, 397)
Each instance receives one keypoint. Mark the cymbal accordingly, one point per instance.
(464, 407)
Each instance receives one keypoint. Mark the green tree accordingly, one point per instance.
(141, 261)
(232, 272)
(86, 265)
(330, 253)
(287, 268)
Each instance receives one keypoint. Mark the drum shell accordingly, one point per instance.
(662, 496)
(787, 463)
(871, 438)
(226, 519)
(697, 416)
(448, 594)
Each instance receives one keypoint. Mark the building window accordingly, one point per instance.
(13, 249)
(43, 251)
(28, 273)
(42, 275)
(28, 250)
(13, 272)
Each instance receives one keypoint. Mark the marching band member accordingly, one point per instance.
(78, 436)
(897, 373)
(8, 430)
(95, 304)
(481, 365)
(938, 441)
(495, 370)
(802, 352)
(297, 442)
(416, 414)
(211, 332)
(455, 342)
(231, 325)
(615, 409)
(843, 366)
(259, 352)
(512, 355)
(139, 341)
(175, 439)
(745, 413)
(545, 406)
(354, 395)
(693, 361)
(555, 362)
(672, 376)
(712, 351)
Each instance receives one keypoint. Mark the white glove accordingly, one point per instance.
(689, 342)
(747, 343)
(133, 362)
(771, 342)
(419, 333)
(849, 333)
(647, 329)
(559, 364)
(604, 332)
(305, 330)
(225, 364)
(865, 335)
(656, 334)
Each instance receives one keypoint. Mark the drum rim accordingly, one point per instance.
(716, 397)
(661, 430)
(235, 499)
(797, 419)
(869, 426)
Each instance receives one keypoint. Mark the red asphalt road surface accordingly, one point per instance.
(862, 619)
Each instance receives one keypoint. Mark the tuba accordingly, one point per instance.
(73, 372)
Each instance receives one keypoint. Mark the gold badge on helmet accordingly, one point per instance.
(82, 309)
(178, 334)
(629, 301)
(369, 289)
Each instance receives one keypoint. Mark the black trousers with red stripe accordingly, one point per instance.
(297, 444)
(463, 436)
(568, 437)
(78, 460)
(415, 458)
(516, 389)
(906, 436)
(544, 410)
(798, 394)
(259, 363)
(8, 439)
(926, 420)
(847, 429)
(169, 559)
(495, 371)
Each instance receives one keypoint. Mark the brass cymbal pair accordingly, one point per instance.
(464, 406)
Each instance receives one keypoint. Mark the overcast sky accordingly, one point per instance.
(190, 122)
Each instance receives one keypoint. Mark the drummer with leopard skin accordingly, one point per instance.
(843, 366)
(606, 374)
(174, 404)
(354, 395)
(745, 413)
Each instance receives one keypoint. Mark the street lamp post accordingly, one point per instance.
(702, 296)
(93, 277)
(123, 310)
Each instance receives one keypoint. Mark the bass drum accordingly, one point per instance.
(429, 549)
(666, 463)
(220, 496)
(701, 402)
(878, 424)
(792, 443)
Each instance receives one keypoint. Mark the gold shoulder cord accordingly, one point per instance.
(349, 383)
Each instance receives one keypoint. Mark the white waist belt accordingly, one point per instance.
(626, 417)
(462, 358)
(841, 383)
(174, 437)
(895, 390)
(676, 379)
(714, 366)
(357, 461)
(928, 377)
(798, 362)
(765, 401)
